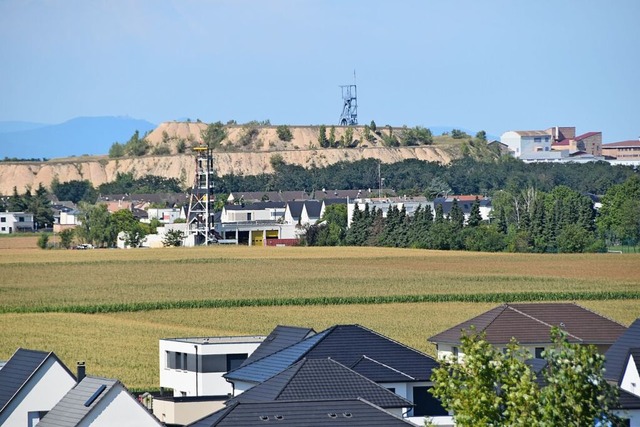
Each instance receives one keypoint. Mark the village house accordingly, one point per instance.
(530, 325)
(193, 369)
(16, 222)
(96, 402)
(623, 151)
(31, 383)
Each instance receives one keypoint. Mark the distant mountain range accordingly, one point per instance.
(82, 135)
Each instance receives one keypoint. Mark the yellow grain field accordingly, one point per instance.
(125, 345)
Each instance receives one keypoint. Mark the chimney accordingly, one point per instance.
(80, 369)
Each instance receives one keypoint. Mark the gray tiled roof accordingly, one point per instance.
(17, 371)
(281, 337)
(321, 379)
(615, 358)
(71, 409)
(531, 323)
(353, 413)
(313, 208)
(346, 344)
(627, 400)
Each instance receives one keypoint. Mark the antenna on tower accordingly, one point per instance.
(349, 116)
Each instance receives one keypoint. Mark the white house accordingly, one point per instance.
(255, 223)
(165, 215)
(13, 222)
(99, 402)
(524, 143)
(31, 383)
(193, 368)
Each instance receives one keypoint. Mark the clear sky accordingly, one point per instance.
(496, 65)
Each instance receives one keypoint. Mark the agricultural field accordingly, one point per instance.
(110, 307)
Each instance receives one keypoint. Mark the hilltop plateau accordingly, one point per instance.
(246, 150)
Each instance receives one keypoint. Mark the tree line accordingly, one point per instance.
(562, 220)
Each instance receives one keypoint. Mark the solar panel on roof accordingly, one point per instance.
(95, 395)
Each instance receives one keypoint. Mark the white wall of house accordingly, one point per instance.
(43, 390)
(165, 215)
(631, 378)
(118, 408)
(446, 350)
(183, 413)
(69, 218)
(194, 366)
(632, 415)
(12, 222)
(241, 387)
(234, 215)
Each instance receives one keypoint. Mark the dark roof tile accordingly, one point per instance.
(321, 379)
(353, 413)
(281, 337)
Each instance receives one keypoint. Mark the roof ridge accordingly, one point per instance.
(498, 313)
(390, 339)
(286, 348)
(364, 356)
(543, 322)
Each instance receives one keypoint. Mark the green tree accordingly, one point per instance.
(97, 227)
(66, 238)
(475, 218)
(619, 219)
(481, 136)
(488, 387)
(456, 216)
(332, 137)
(323, 142)
(284, 133)
(577, 393)
(214, 134)
(173, 238)
(74, 190)
(373, 126)
(43, 241)
(136, 146)
(117, 150)
(458, 134)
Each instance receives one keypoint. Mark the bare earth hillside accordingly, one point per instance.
(240, 154)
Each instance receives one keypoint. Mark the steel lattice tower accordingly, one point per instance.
(200, 217)
(349, 114)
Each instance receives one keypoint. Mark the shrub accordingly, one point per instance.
(43, 241)
(284, 133)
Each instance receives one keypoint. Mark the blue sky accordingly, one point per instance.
(496, 65)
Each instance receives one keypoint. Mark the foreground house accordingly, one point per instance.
(31, 383)
(320, 413)
(99, 402)
(400, 369)
(193, 369)
(322, 379)
(530, 325)
(622, 368)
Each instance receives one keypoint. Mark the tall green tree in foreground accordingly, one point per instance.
(489, 387)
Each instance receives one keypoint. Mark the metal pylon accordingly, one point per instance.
(349, 114)
(201, 203)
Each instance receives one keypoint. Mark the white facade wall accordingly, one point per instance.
(241, 387)
(67, 218)
(119, 408)
(512, 140)
(233, 215)
(166, 215)
(192, 381)
(184, 413)
(631, 380)
(447, 350)
(12, 222)
(43, 391)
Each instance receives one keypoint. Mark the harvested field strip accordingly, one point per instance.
(346, 300)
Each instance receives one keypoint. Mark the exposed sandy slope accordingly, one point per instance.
(250, 159)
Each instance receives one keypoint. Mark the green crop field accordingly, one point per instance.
(110, 307)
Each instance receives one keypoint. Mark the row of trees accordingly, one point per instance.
(35, 202)
(562, 220)
(416, 177)
(82, 190)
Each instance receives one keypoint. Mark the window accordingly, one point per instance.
(537, 139)
(3, 219)
(391, 389)
(4, 228)
(455, 350)
(426, 403)
(538, 352)
(176, 360)
(20, 219)
(34, 417)
(222, 362)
